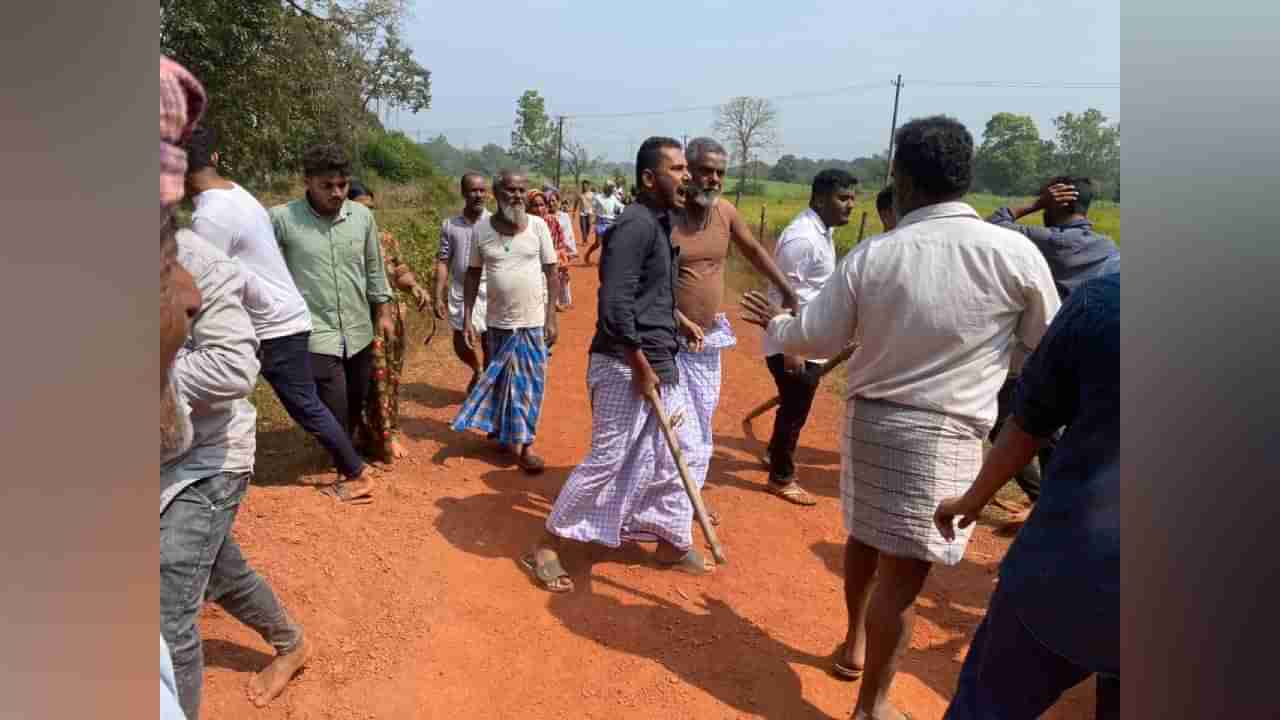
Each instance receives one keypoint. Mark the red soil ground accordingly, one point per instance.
(417, 608)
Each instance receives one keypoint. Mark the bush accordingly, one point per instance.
(395, 157)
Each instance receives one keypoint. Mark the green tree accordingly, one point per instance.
(1088, 145)
(787, 169)
(1008, 161)
(533, 141)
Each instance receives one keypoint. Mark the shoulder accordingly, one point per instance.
(358, 212)
(199, 257)
(728, 210)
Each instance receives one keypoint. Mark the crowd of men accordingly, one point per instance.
(965, 329)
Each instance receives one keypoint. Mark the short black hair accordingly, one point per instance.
(325, 159)
(1085, 190)
(200, 148)
(357, 189)
(832, 180)
(884, 199)
(462, 181)
(937, 154)
(650, 154)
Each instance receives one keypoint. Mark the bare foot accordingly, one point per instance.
(268, 684)
(397, 450)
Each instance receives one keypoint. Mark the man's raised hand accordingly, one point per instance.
(757, 309)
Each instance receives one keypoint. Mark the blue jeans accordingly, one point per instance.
(199, 559)
(286, 365)
(1009, 675)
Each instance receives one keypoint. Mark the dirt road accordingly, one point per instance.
(418, 609)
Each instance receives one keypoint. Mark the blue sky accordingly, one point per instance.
(609, 57)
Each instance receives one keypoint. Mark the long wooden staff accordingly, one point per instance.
(695, 497)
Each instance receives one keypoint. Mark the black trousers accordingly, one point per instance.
(795, 393)
(1028, 478)
(343, 384)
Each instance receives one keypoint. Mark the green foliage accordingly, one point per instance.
(395, 157)
(1088, 145)
(533, 141)
(281, 78)
(1008, 161)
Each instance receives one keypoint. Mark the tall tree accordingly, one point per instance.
(578, 161)
(1088, 145)
(533, 141)
(787, 169)
(1008, 161)
(749, 125)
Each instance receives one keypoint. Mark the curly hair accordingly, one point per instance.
(937, 154)
(325, 159)
(200, 147)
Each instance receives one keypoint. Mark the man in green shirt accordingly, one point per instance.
(331, 248)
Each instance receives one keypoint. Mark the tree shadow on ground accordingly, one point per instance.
(717, 650)
(433, 396)
(290, 456)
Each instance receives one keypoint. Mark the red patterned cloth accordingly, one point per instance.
(182, 103)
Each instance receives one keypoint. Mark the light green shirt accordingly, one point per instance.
(337, 266)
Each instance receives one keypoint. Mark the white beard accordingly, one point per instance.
(706, 199)
(514, 214)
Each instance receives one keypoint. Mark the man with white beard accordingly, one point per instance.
(702, 231)
(517, 255)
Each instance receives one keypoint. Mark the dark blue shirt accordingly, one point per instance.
(1075, 253)
(637, 301)
(1064, 566)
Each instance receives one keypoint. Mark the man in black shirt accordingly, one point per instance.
(628, 487)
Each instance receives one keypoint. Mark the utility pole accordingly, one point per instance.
(559, 148)
(893, 128)
(684, 141)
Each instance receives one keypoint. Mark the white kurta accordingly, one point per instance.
(936, 306)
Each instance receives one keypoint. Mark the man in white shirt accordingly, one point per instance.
(608, 207)
(517, 255)
(233, 221)
(456, 237)
(806, 255)
(936, 307)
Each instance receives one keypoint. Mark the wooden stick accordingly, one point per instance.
(768, 405)
(862, 226)
(695, 497)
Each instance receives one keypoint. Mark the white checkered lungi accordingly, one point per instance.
(700, 373)
(628, 487)
(898, 463)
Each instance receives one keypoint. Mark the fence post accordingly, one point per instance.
(862, 226)
(760, 236)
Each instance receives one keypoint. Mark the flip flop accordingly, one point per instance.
(691, 563)
(792, 493)
(530, 463)
(547, 573)
(842, 671)
(342, 492)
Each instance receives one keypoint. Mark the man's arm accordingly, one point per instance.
(620, 262)
(823, 328)
(1044, 400)
(761, 260)
(220, 362)
(1043, 237)
(376, 286)
(551, 328)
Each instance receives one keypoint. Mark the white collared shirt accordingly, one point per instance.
(936, 306)
(806, 255)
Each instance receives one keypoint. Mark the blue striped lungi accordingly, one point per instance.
(508, 399)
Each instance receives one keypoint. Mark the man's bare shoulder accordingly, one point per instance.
(728, 209)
